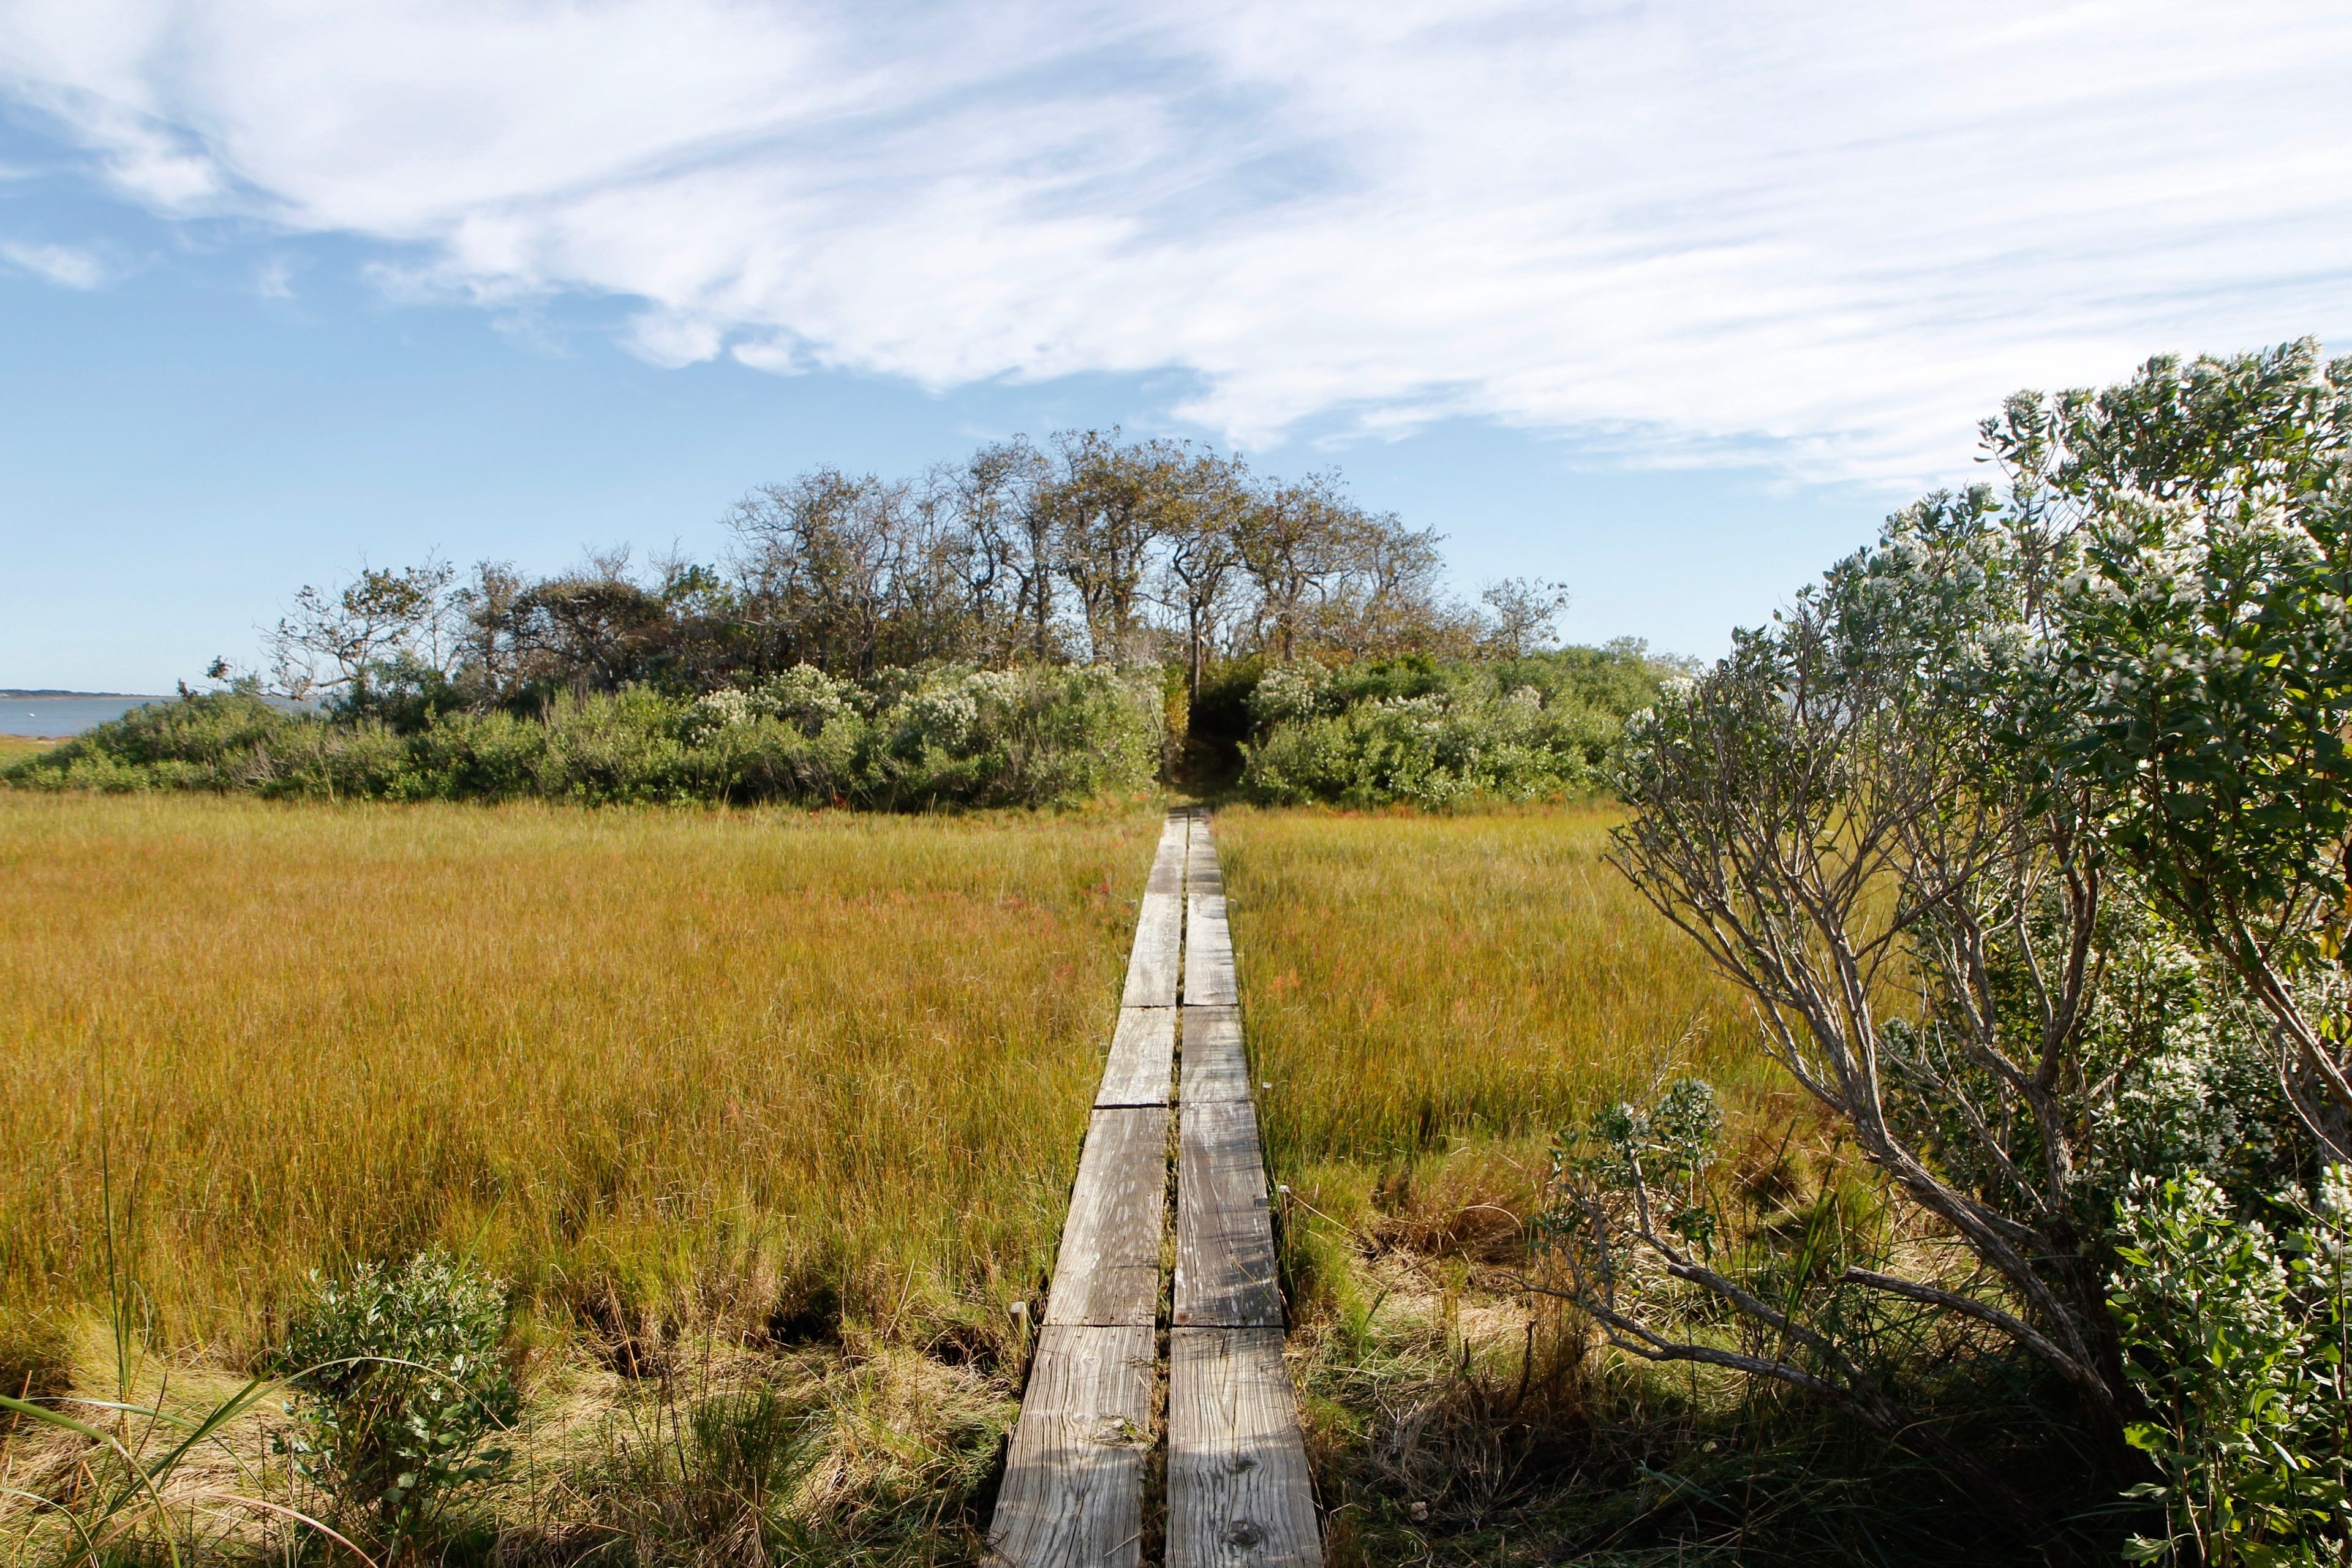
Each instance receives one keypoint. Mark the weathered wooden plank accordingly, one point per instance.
(1239, 1494)
(1238, 1491)
(1073, 1491)
(1203, 872)
(1209, 979)
(1216, 1067)
(1169, 861)
(1208, 936)
(1152, 966)
(1142, 1061)
(1109, 1271)
(1225, 1237)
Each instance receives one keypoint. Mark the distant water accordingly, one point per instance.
(64, 715)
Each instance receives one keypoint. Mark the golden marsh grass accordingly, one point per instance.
(1421, 985)
(658, 1065)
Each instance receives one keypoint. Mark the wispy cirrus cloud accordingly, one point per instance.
(1832, 231)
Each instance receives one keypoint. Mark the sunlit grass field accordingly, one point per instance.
(1423, 987)
(794, 1100)
(655, 1067)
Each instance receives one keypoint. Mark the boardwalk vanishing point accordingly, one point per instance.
(1237, 1492)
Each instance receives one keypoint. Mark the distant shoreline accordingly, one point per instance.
(18, 693)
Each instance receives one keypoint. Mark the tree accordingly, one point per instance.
(1112, 506)
(848, 573)
(999, 496)
(1521, 613)
(1292, 545)
(490, 654)
(380, 615)
(592, 630)
(1386, 597)
(1204, 560)
(1838, 816)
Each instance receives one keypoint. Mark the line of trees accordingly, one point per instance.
(1091, 548)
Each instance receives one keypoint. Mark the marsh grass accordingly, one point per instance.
(770, 1117)
(17, 748)
(1420, 984)
(659, 1069)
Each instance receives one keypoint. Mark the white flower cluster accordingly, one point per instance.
(721, 710)
(941, 714)
(1003, 688)
(1287, 691)
(807, 696)
(803, 696)
(2173, 598)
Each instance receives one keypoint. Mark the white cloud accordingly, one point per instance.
(63, 265)
(1838, 228)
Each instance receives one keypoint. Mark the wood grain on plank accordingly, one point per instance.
(1209, 979)
(1238, 1491)
(1168, 862)
(1142, 1057)
(1203, 872)
(1109, 1271)
(1216, 1067)
(1225, 1237)
(1152, 966)
(1073, 1491)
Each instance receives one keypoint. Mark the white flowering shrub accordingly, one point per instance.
(2025, 829)
(806, 697)
(1022, 736)
(941, 716)
(726, 708)
(1286, 693)
(2204, 655)
(906, 738)
(2239, 1341)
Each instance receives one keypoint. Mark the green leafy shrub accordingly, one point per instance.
(900, 740)
(1435, 733)
(2238, 1340)
(401, 1390)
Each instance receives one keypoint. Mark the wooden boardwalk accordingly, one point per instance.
(1238, 1494)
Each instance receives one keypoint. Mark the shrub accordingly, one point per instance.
(903, 739)
(704, 1478)
(2237, 1340)
(400, 1386)
(1435, 733)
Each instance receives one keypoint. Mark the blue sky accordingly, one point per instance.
(1669, 303)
